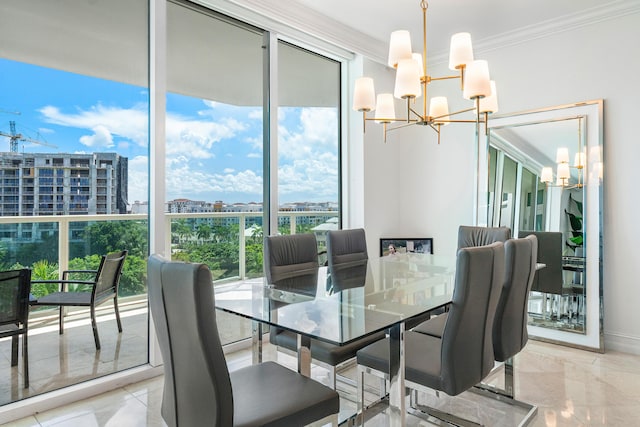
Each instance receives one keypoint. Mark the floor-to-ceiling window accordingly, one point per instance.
(308, 142)
(74, 104)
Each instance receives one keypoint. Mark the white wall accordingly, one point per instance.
(436, 183)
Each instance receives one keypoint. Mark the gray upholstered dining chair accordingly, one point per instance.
(15, 286)
(103, 285)
(510, 325)
(289, 260)
(198, 388)
(479, 236)
(518, 262)
(509, 332)
(463, 356)
(346, 246)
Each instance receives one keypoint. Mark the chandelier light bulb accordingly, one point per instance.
(562, 155)
(546, 175)
(385, 109)
(399, 47)
(439, 107)
(563, 171)
(489, 104)
(477, 83)
(407, 79)
(364, 97)
(460, 51)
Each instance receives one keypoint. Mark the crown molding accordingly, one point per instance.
(561, 24)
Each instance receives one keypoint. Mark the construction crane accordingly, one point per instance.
(14, 137)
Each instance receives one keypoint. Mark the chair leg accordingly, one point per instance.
(94, 325)
(61, 320)
(115, 306)
(360, 392)
(25, 359)
(14, 350)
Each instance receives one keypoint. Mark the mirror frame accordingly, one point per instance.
(593, 111)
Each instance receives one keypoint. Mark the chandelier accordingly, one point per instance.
(563, 169)
(412, 81)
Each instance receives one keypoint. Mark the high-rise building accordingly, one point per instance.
(62, 184)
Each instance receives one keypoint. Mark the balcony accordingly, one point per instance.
(57, 361)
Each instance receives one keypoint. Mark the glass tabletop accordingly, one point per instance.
(347, 302)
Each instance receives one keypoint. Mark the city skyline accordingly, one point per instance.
(214, 151)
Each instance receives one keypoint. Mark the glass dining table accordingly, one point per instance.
(345, 303)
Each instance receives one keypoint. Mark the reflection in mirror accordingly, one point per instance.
(544, 172)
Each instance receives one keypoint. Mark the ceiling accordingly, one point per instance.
(486, 20)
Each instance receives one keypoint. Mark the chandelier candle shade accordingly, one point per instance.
(563, 169)
(412, 79)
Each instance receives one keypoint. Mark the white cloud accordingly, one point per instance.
(318, 133)
(185, 182)
(194, 138)
(100, 139)
(130, 123)
(229, 170)
(315, 177)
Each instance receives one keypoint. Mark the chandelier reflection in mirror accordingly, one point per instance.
(563, 168)
(412, 80)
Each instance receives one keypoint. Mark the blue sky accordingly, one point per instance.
(214, 151)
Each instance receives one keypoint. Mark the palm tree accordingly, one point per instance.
(181, 228)
(204, 231)
(256, 233)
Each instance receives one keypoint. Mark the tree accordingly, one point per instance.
(204, 231)
(181, 228)
(111, 236)
(42, 270)
(256, 234)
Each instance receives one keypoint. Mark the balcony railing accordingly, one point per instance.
(63, 224)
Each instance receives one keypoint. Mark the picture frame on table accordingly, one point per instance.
(395, 245)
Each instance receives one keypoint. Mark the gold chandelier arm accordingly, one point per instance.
(443, 78)
(436, 127)
(416, 114)
(401, 126)
(383, 120)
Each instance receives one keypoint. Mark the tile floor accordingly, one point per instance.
(571, 388)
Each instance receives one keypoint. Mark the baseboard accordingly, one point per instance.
(622, 343)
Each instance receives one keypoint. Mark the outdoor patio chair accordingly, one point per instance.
(14, 313)
(104, 287)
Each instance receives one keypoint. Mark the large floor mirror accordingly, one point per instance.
(541, 172)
